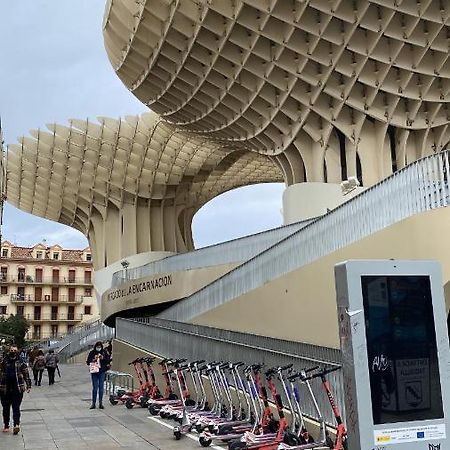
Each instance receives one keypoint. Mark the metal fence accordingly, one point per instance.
(181, 340)
(82, 339)
(236, 250)
(419, 187)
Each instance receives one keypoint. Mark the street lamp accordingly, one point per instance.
(125, 265)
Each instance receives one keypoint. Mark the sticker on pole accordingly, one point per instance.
(410, 434)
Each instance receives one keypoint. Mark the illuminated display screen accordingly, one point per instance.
(401, 348)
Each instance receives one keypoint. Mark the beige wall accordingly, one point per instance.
(301, 305)
(302, 201)
(181, 285)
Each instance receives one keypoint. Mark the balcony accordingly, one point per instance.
(28, 298)
(67, 317)
(42, 336)
(29, 279)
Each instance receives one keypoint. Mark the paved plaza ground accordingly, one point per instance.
(58, 417)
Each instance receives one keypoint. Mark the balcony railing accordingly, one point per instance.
(41, 336)
(44, 280)
(28, 298)
(67, 317)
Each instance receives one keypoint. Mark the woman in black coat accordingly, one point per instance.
(98, 361)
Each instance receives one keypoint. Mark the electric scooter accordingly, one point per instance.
(155, 405)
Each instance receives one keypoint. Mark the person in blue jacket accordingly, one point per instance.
(98, 361)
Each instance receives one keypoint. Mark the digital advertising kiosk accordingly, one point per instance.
(396, 355)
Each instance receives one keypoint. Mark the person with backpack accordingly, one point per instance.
(39, 364)
(14, 381)
(98, 361)
(51, 361)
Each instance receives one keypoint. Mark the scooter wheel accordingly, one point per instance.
(190, 402)
(113, 400)
(129, 404)
(143, 401)
(225, 429)
(204, 442)
(199, 428)
(177, 434)
(153, 410)
(293, 440)
(235, 445)
(173, 396)
(329, 442)
(163, 415)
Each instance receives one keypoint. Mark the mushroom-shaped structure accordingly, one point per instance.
(331, 89)
(132, 185)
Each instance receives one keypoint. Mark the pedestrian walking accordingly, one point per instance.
(32, 355)
(109, 348)
(14, 381)
(98, 361)
(38, 368)
(51, 361)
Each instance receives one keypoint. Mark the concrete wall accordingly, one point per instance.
(302, 201)
(174, 286)
(103, 277)
(301, 305)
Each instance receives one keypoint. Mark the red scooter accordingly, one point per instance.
(138, 397)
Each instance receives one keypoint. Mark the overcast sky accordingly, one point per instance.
(54, 67)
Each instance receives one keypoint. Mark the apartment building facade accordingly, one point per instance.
(51, 287)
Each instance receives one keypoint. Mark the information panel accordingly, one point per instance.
(392, 325)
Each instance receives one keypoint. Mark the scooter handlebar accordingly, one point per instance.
(200, 361)
(302, 373)
(323, 372)
(271, 371)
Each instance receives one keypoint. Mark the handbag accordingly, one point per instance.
(94, 367)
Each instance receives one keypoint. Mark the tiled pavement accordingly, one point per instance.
(58, 417)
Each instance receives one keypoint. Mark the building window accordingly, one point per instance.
(54, 330)
(20, 293)
(88, 292)
(36, 332)
(4, 290)
(4, 252)
(55, 255)
(20, 310)
(21, 274)
(88, 257)
(87, 277)
(39, 254)
(87, 310)
(2, 309)
(3, 273)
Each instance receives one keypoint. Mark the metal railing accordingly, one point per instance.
(5, 278)
(24, 298)
(422, 186)
(53, 317)
(236, 250)
(82, 339)
(181, 340)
